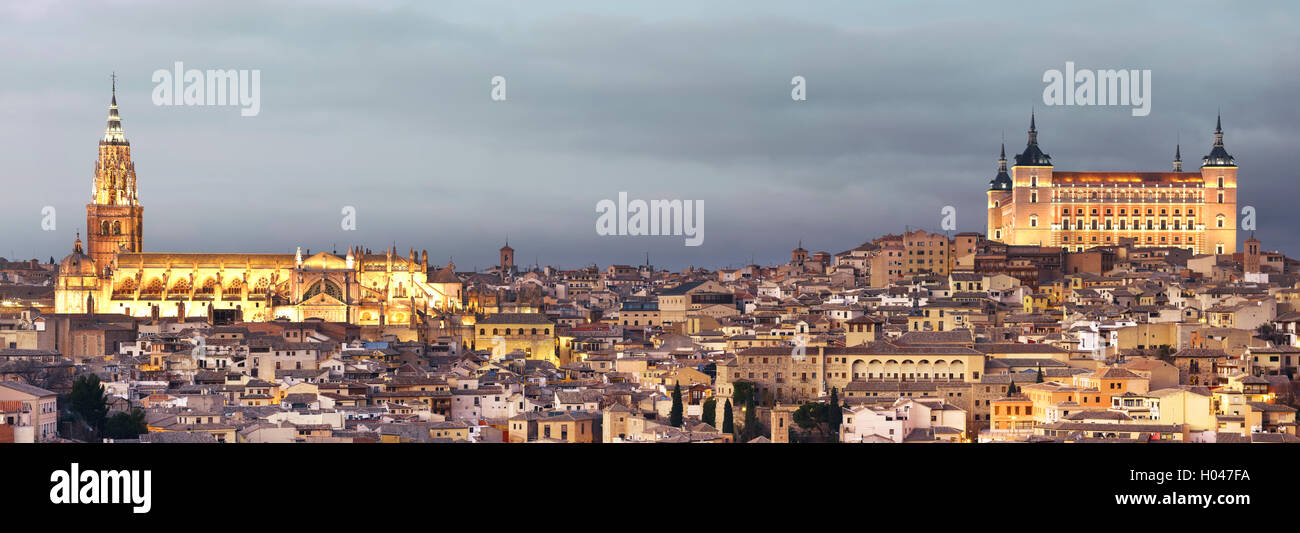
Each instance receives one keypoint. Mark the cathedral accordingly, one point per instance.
(1037, 205)
(113, 273)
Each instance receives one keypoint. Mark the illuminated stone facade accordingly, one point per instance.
(117, 276)
(1036, 205)
(114, 217)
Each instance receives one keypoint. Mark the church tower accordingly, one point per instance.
(507, 258)
(114, 217)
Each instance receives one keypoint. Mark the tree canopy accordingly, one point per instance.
(125, 425)
(87, 401)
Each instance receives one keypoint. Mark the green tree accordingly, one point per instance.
(742, 392)
(810, 416)
(835, 416)
(709, 416)
(125, 425)
(728, 426)
(675, 415)
(87, 401)
(1011, 389)
(752, 428)
(1039, 377)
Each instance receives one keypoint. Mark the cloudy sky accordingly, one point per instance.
(385, 106)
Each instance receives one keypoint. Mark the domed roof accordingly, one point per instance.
(1033, 155)
(1001, 182)
(446, 274)
(77, 263)
(1218, 156)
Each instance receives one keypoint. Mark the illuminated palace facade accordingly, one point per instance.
(118, 276)
(1036, 205)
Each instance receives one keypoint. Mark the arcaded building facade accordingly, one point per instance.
(1036, 205)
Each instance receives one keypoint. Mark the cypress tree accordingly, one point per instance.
(709, 416)
(675, 415)
(835, 416)
(751, 429)
(1039, 379)
(728, 426)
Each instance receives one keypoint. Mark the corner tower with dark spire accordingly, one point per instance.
(1219, 172)
(1037, 205)
(114, 217)
(1019, 203)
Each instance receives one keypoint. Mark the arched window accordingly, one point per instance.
(126, 288)
(1218, 221)
(153, 289)
(117, 227)
(327, 286)
(1033, 221)
(482, 331)
(534, 331)
(103, 228)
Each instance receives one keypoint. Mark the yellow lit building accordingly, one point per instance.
(530, 333)
(116, 276)
(1036, 205)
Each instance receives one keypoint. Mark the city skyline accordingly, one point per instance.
(425, 165)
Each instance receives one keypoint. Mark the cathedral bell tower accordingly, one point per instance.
(114, 217)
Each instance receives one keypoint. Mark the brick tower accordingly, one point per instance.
(114, 217)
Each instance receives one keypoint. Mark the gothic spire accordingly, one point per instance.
(113, 132)
(1178, 157)
(1219, 156)
(1002, 181)
(1033, 156)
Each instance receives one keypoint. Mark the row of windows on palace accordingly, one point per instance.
(860, 375)
(1130, 197)
(1218, 247)
(495, 331)
(1033, 182)
(1110, 223)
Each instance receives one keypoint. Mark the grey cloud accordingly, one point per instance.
(386, 108)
